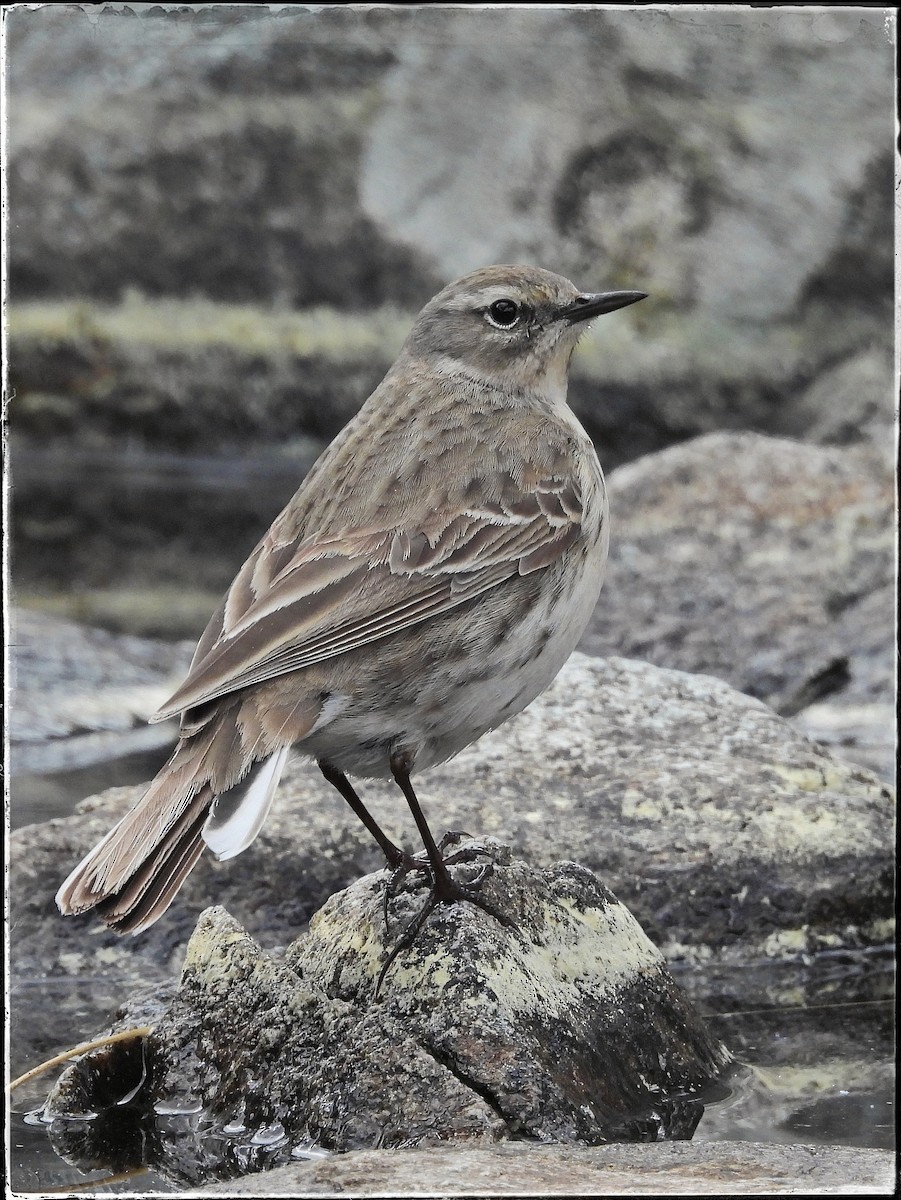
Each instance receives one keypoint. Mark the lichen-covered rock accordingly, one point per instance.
(732, 837)
(563, 1025)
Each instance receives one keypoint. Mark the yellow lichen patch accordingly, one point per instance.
(678, 951)
(787, 942)
(638, 806)
(407, 973)
(598, 950)
(880, 931)
(108, 956)
(219, 947)
(786, 823)
(827, 778)
(190, 324)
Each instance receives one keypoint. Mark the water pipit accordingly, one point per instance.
(429, 578)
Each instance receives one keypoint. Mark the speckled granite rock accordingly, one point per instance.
(564, 1025)
(765, 562)
(853, 401)
(663, 1169)
(730, 836)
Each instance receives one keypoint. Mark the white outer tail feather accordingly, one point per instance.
(247, 806)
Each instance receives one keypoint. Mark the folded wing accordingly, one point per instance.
(298, 603)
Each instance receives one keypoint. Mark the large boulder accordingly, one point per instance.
(614, 165)
(731, 837)
(213, 154)
(736, 166)
(768, 563)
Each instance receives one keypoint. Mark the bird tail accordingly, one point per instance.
(210, 791)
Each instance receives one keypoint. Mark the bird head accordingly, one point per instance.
(512, 326)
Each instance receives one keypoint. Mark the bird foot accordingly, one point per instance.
(399, 873)
(402, 866)
(444, 889)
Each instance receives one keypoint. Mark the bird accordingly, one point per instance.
(429, 578)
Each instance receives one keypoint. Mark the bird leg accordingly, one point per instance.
(397, 859)
(445, 890)
(409, 934)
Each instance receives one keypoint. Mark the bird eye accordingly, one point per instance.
(503, 313)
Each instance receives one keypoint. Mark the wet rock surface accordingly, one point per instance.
(69, 678)
(562, 1025)
(80, 700)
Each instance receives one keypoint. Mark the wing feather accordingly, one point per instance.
(295, 605)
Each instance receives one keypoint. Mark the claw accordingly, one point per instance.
(484, 872)
(407, 864)
(467, 854)
(406, 939)
(452, 837)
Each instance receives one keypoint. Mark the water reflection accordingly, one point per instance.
(822, 1073)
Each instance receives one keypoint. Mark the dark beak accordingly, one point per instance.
(594, 304)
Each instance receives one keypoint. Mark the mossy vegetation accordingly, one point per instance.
(194, 324)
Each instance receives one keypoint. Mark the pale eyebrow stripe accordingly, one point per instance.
(483, 297)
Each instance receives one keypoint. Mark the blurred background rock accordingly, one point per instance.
(222, 220)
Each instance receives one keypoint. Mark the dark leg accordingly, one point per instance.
(444, 889)
(395, 856)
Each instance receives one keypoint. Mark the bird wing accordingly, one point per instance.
(302, 602)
